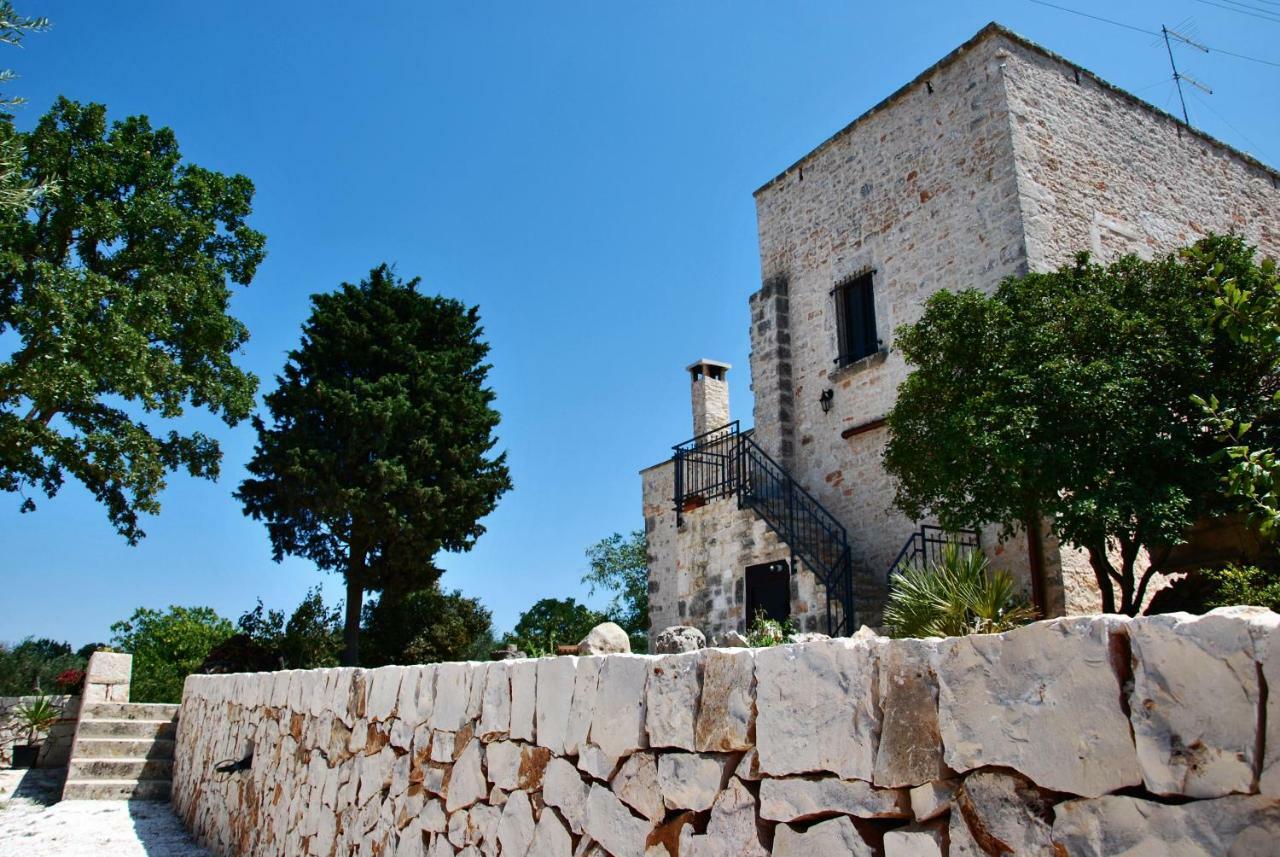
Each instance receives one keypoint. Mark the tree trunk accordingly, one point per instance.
(1102, 571)
(355, 600)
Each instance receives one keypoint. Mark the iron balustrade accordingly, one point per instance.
(927, 545)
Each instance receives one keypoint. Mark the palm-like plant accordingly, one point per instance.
(954, 596)
(37, 716)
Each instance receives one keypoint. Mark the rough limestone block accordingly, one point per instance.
(636, 785)
(1268, 652)
(610, 823)
(550, 839)
(586, 679)
(726, 713)
(617, 726)
(749, 766)
(732, 830)
(555, 677)
(607, 638)
(417, 691)
(835, 837)
(563, 788)
(524, 690)
(933, 799)
(597, 762)
(802, 798)
(467, 783)
(495, 709)
(672, 697)
(453, 686)
(999, 695)
(1001, 811)
(384, 689)
(1237, 825)
(515, 830)
(1195, 700)
(910, 748)
(502, 762)
(816, 708)
(917, 840)
(109, 668)
(691, 780)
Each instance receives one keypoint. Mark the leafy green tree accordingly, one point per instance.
(16, 191)
(32, 666)
(311, 637)
(379, 451)
(553, 622)
(424, 626)
(114, 292)
(621, 564)
(1067, 396)
(167, 647)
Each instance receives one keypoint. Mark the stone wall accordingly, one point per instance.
(1086, 735)
(55, 745)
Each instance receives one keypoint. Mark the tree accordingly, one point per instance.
(309, 639)
(621, 564)
(378, 454)
(167, 647)
(424, 626)
(1067, 397)
(114, 292)
(33, 665)
(16, 192)
(553, 622)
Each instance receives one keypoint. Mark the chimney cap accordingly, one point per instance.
(711, 368)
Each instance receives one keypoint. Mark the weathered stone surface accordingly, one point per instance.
(1195, 700)
(691, 780)
(550, 839)
(617, 727)
(835, 837)
(1000, 694)
(597, 762)
(607, 638)
(910, 749)
(585, 683)
(997, 813)
(732, 830)
(417, 690)
(817, 708)
(1237, 825)
(800, 798)
(563, 788)
(677, 639)
(916, 840)
(1268, 650)
(733, 640)
(636, 785)
(384, 689)
(610, 823)
(467, 783)
(932, 799)
(502, 762)
(515, 829)
(726, 715)
(495, 709)
(672, 697)
(556, 678)
(453, 688)
(524, 694)
(749, 766)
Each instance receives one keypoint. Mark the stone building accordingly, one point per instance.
(1000, 159)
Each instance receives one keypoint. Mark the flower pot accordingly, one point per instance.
(24, 755)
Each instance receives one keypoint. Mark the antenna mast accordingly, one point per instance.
(1177, 77)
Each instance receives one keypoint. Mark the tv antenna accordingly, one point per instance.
(1178, 77)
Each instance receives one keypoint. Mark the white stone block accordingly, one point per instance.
(467, 783)
(636, 785)
(672, 697)
(495, 709)
(585, 683)
(801, 798)
(826, 839)
(916, 840)
(726, 713)
(617, 726)
(524, 691)
(691, 780)
(1237, 825)
(555, 678)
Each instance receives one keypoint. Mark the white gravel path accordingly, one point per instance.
(34, 823)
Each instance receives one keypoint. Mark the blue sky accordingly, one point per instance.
(582, 171)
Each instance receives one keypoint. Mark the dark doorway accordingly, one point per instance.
(769, 591)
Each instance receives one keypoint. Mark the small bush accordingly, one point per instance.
(769, 632)
(1242, 584)
(952, 597)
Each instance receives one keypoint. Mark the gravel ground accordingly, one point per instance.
(34, 823)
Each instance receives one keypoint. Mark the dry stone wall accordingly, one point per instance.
(55, 744)
(1084, 735)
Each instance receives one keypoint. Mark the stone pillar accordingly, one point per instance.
(710, 395)
(107, 679)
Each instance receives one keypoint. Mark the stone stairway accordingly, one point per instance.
(122, 751)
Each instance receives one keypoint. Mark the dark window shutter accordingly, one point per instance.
(856, 319)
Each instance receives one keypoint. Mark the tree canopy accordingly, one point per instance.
(167, 647)
(114, 291)
(425, 626)
(1068, 396)
(553, 622)
(621, 564)
(379, 450)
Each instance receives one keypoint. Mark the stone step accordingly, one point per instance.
(124, 748)
(139, 729)
(128, 711)
(116, 790)
(120, 769)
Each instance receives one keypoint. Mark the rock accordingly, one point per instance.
(597, 762)
(509, 652)
(664, 841)
(533, 762)
(803, 798)
(916, 840)
(636, 785)
(550, 839)
(691, 780)
(515, 829)
(835, 837)
(467, 783)
(997, 813)
(384, 689)
(817, 708)
(749, 767)
(808, 637)
(585, 682)
(617, 726)
(1194, 705)
(611, 824)
(502, 761)
(672, 699)
(733, 640)
(606, 638)
(432, 816)
(563, 788)
(495, 708)
(677, 639)
(554, 700)
(1237, 825)
(524, 694)
(726, 714)
(732, 830)
(910, 749)
(933, 799)
(1269, 656)
(999, 695)
(453, 687)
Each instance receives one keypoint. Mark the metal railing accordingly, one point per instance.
(928, 544)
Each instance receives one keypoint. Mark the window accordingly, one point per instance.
(855, 318)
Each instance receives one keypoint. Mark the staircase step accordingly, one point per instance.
(120, 769)
(124, 748)
(128, 711)
(116, 790)
(139, 729)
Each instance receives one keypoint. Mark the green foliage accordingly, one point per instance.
(378, 453)
(1236, 584)
(115, 294)
(310, 639)
(33, 665)
(13, 29)
(167, 647)
(769, 632)
(425, 626)
(37, 716)
(954, 596)
(17, 192)
(1067, 396)
(621, 564)
(553, 622)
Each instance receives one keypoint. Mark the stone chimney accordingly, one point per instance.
(710, 395)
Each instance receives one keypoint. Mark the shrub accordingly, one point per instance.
(37, 716)
(1242, 584)
(769, 632)
(955, 596)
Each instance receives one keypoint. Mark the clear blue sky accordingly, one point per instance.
(582, 171)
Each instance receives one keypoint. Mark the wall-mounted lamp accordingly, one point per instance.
(826, 398)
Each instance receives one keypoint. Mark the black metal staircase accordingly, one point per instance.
(727, 461)
(928, 544)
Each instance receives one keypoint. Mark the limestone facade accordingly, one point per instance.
(1001, 159)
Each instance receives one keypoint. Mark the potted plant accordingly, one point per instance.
(36, 716)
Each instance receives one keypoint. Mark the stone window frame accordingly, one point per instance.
(866, 268)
